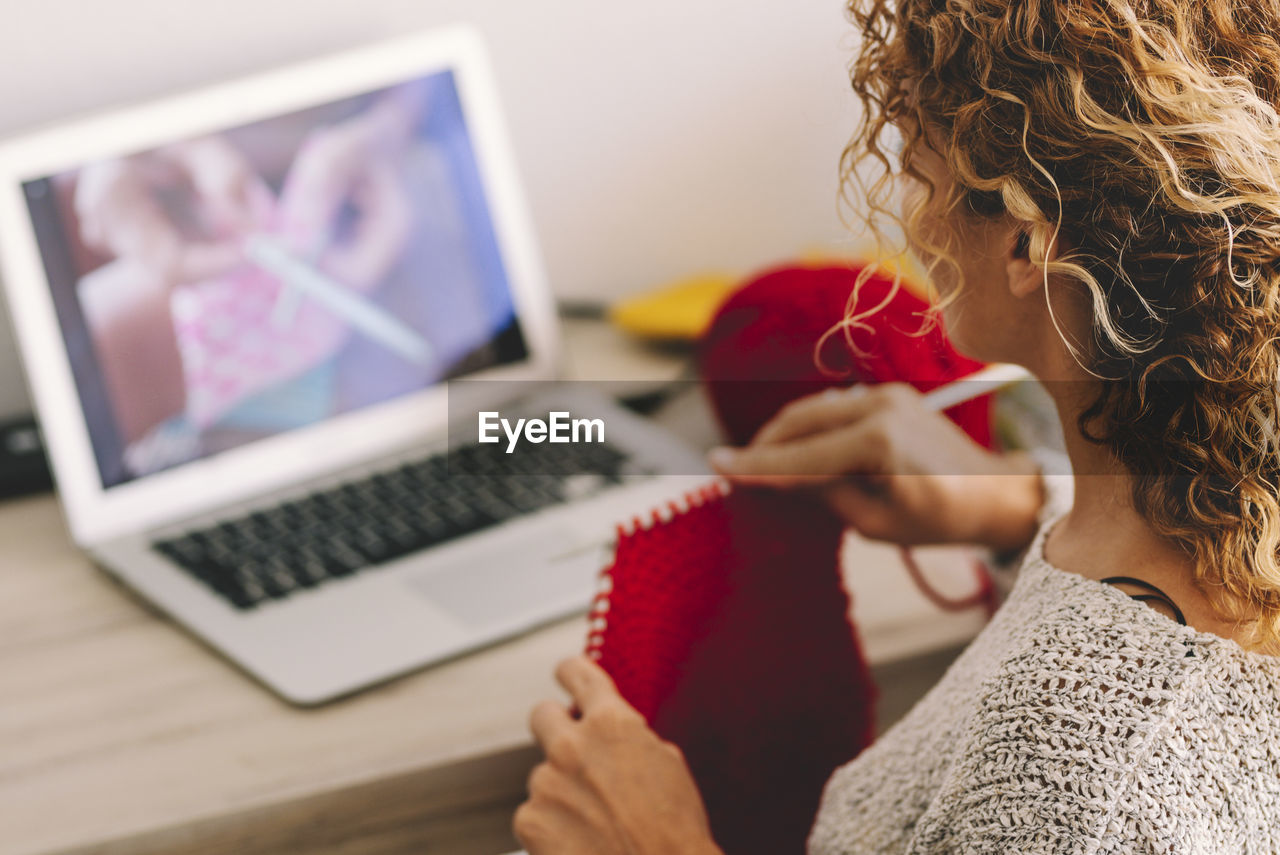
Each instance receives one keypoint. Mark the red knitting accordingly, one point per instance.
(730, 633)
(724, 620)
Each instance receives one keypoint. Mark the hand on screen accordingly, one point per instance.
(341, 168)
(181, 212)
(232, 198)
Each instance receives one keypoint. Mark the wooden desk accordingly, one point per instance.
(121, 735)
(117, 726)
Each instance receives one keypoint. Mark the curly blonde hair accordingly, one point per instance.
(1148, 131)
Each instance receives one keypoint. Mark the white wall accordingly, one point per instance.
(655, 139)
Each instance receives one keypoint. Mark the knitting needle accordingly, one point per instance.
(981, 382)
(977, 384)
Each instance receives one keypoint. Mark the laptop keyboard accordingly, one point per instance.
(274, 552)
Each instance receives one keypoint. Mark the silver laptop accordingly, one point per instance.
(289, 340)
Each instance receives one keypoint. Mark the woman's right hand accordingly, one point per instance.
(119, 204)
(893, 469)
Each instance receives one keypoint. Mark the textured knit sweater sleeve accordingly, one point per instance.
(1080, 721)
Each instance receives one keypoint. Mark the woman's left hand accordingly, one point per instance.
(609, 785)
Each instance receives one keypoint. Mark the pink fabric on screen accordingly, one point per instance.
(230, 348)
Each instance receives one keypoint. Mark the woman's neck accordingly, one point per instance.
(1104, 535)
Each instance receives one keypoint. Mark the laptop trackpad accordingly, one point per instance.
(526, 582)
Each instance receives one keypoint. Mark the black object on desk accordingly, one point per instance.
(23, 466)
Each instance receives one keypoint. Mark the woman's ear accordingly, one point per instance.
(1027, 277)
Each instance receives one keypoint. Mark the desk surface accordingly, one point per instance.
(119, 733)
(115, 724)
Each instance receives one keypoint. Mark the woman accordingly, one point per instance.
(1095, 190)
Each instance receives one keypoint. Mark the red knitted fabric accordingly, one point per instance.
(725, 621)
(731, 635)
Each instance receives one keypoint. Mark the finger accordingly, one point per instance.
(199, 261)
(317, 183)
(242, 205)
(809, 461)
(539, 779)
(548, 723)
(261, 204)
(863, 509)
(586, 682)
(549, 785)
(823, 411)
(552, 827)
(569, 806)
(141, 229)
(382, 229)
(529, 827)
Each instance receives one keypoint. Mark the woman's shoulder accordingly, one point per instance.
(1110, 719)
(1069, 624)
(1110, 651)
(1079, 721)
(1097, 727)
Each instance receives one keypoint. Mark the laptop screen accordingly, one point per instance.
(218, 290)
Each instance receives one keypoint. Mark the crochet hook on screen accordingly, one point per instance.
(362, 313)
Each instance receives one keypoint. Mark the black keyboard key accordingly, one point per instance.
(433, 528)
(525, 500)
(346, 559)
(311, 568)
(238, 597)
(403, 535)
(279, 576)
(185, 551)
(375, 548)
(495, 507)
(242, 590)
(255, 578)
(253, 591)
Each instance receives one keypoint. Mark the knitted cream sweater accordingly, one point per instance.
(1078, 721)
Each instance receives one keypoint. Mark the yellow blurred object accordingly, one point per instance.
(682, 310)
(679, 311)
(913, 278)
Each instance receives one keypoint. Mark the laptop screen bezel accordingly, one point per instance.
(96, 514)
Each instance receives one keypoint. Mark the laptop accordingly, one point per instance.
(291, 346)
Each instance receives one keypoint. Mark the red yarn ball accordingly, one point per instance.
(774, 340)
